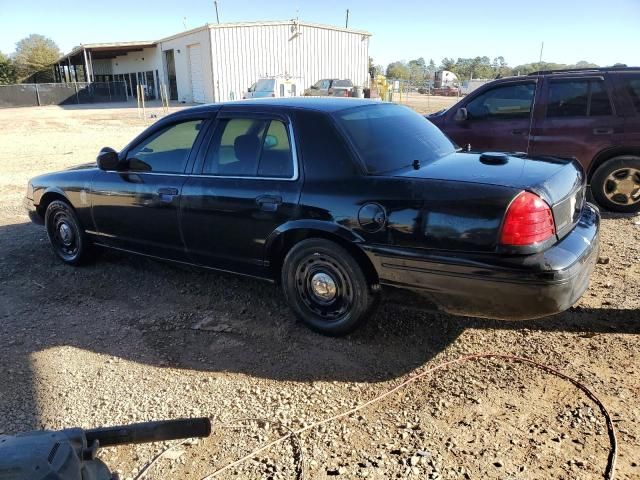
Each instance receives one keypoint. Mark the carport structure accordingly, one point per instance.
(78, 65)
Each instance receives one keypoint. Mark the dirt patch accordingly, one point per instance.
(129, 339)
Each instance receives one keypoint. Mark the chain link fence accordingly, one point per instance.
(39, 94)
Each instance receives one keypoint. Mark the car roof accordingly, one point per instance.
(323, 104)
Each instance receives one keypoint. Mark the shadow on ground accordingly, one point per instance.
(171, 316)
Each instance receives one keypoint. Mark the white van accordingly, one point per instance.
(279, 86)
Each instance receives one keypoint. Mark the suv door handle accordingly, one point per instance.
(269, 203)
(167, 194)
(518, 132)
(602, 131)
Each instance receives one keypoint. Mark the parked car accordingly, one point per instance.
(330, 87)
(278, 86)
(333, 199)
(591, 114)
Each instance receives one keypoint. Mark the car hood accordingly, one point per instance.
(550, 177)
(83, 166)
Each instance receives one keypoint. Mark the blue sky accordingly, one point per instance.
(603, 32)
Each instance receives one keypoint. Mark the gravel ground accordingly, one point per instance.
(129, 339)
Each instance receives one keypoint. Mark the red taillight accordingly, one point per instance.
(528, 220)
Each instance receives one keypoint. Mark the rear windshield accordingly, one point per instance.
(265, 85)
(389, 137)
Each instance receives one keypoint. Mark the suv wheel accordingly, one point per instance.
(616, 184)
(326, 288)
(65, 233)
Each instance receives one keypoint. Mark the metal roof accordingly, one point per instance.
(123, 47)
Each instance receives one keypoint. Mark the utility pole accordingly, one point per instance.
(346, 23)
(215, 3)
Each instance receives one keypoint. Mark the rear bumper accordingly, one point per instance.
(497, 286)
(32, 211)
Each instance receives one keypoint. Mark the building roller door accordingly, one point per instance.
(195, 66)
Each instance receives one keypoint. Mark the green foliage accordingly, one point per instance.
(34, 58)
(8, 74)
(398, 70)
(537, 66)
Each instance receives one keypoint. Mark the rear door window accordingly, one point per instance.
(508, 101)
(577, 98)
(248, 147)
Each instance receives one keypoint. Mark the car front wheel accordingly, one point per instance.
(616, 184)
(65, 233)
(326, 287)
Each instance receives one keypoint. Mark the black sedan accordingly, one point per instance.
(339, 200)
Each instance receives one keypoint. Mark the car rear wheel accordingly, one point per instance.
(65, 233)
(326, 287)
(616, 184)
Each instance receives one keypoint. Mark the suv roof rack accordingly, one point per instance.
(584, 70)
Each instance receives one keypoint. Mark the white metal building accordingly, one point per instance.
(218, 62)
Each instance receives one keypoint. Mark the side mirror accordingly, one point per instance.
(108, 159)
(461, 115)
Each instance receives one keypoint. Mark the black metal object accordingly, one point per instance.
(149, 432)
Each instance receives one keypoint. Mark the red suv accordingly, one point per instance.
(590, 114)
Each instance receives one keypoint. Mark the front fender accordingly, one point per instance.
(40, 191)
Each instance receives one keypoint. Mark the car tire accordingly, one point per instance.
(615, 184)
(66, 235)
(326, 288)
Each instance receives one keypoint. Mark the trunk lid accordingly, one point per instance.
(560, 182)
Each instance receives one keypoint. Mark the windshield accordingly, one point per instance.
(265, 85)
(389, 137)
(343, 83)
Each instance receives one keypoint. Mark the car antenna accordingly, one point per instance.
(416, 164)
(533, 103)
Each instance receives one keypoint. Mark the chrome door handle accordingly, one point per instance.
(602, 131)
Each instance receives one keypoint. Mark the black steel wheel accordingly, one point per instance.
(326, 288)
(616, 184)
(65, 233)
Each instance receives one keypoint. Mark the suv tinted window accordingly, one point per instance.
(243, 147)
(165, 151)
(389, 137)
(508, 101)
(632, 85)
(578, 98)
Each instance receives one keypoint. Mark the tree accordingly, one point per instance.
(7, 70)
(398, 70)
(34, 57)
(417, 71)
(448, 64)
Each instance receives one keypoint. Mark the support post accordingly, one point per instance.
(69, 67)
(38, 95)
(86, 66)
(91, 77)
